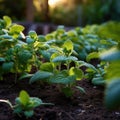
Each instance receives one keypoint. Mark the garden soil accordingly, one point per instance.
(89, 106)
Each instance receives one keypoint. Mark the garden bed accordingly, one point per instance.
(66, 68)
(89, 106)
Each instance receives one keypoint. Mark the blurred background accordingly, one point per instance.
(65, 12)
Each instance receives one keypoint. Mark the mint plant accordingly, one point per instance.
(96, 73)
(16, 55)
(24, 104)
(53, 72)
(10, 36)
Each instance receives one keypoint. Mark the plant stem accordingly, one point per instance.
(59, 67)
(68, 66)
(8, 102)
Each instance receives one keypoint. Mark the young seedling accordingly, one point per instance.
(24, 104)
(54, 73)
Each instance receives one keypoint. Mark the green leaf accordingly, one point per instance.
(6, 42)
(47, 67)
(49, 37)
(112, 94)
(54, 55)
(24, 56)
(7, 20)
(77, 72)
(68, 45)
(7, 66)
(92, 55)
(50, 42)
(41, 38)
(16, 29)
(29, 113)
(2, 26)
(82, 54)
(24, 97)
(17, 109)
(29, 40)
(81, 89)
(24, 76)
(33, 34)
(35, 102)
(110, 55)
(71, 58)
(60, 59)
(40, 75)
(72, 33)
(62, 78)
(6, 37)
(82, 63)
(98, 81)
(17, 101)
(46, 55)
(2, 59)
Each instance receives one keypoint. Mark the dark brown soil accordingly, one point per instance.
(89, 106)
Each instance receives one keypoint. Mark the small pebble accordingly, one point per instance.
(94, 87)
(117, 113)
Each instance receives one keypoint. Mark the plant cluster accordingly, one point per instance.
(58, 58)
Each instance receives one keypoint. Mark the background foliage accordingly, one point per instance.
(74, 12)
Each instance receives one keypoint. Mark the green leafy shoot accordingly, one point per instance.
(40, 75)
(82, 90)
(25, 75)
(93, 55)
(76, 72)
(8, 21)
(32, 34)
(24, 104)
(68, 47)
(24, 98)
(16, 29)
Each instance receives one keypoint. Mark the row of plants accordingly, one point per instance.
(58, 58)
